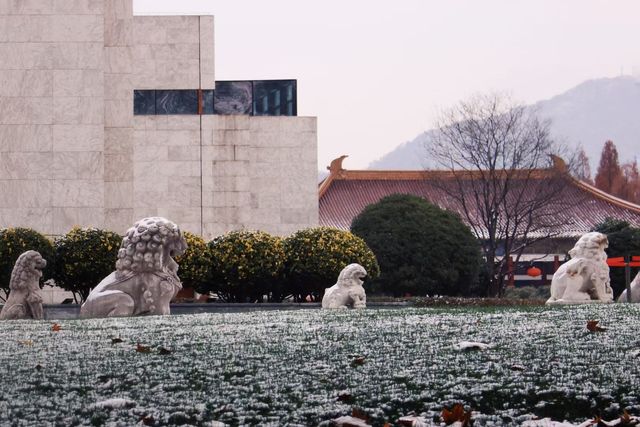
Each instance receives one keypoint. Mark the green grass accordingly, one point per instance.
(288, 367)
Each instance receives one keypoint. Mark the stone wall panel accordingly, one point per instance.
(25, 138)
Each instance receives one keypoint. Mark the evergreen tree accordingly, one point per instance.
(609, 175)
(422, 249)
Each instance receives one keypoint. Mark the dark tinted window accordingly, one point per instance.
(258, 97)
(207, 102)
(274, 98)
(233, 97)
(144, 102)
(176, 102)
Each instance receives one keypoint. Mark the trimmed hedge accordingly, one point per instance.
(15, 241)
(316, 256)
(83, 257)
(246, 265)
(195, 263)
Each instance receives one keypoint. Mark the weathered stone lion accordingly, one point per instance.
(635, 291)
(584, 278)
(25, 301)
(348, 291)
(146, 279)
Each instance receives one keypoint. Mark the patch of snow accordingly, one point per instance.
(471, 345)
(546, 422)
(350, 421)
(413, 421)
(115, 403)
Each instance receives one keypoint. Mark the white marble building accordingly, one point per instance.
(75, 151)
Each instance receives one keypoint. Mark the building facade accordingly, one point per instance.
(106, 118)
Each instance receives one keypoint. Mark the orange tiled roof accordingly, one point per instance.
(345, 193)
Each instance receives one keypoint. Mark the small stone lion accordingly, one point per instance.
(25, 301)
(348, 291)
(584, 278)
(146, 276)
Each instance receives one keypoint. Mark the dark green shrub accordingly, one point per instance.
(83, 257)
(623, 240)
(245, 266)
(527, 292)
(195, 263)
(316, 256)
(422, 249)
(15, 241)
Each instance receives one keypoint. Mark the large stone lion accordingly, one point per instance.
(146, 279)
(348, 291)
(635, 291)
(584, 278)
(25, 301)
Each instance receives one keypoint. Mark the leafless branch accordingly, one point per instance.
(497, 154)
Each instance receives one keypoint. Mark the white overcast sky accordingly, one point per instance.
(377, 72)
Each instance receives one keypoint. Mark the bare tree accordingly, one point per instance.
(497, 157)
(582, 168)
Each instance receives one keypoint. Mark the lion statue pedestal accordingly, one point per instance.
(584, 278)
(146, 279)
(348, 291)
(25, 301)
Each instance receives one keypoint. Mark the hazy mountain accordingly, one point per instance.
(588, 114)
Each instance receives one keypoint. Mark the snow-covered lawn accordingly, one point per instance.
(300, 368)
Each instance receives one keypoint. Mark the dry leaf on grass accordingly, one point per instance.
(592, 326)
(457, 414)
(358, 360)
(143, 348)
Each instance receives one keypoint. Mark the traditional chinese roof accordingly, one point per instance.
(345, 193)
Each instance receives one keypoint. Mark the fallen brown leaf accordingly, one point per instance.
(627, 420)
(143, 348)
(457, 414)
(592, 326)
(358, 360)
(148, 420)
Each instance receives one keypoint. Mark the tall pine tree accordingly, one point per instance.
(609, 175)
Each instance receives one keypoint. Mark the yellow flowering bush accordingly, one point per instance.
(315, 257)
(195, 263)
(246, 265)
(15, 241)
(83, 257)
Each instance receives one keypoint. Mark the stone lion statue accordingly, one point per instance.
(25, 301)
(584, 278)
(635, 291)
(348, 291)
(146, 279)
